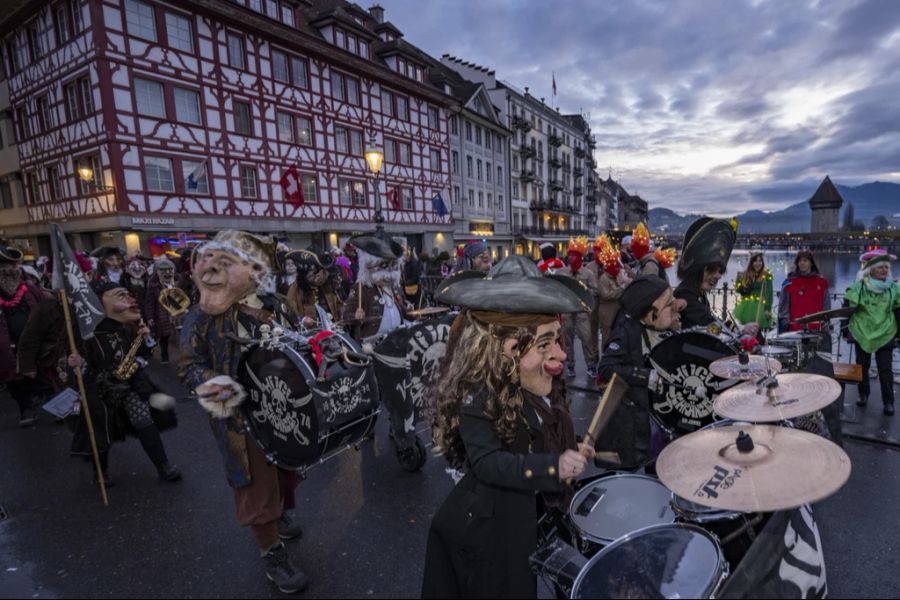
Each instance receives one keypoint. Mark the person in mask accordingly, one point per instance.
(110, 264)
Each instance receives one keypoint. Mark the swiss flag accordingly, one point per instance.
(394, 197)
(292, 186)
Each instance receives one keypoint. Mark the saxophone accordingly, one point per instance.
(129, 366)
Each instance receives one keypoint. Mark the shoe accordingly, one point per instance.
(168, 472)
(889, 410)
(27, 420)
(570, 371)
(282, 572)
(592, 372)
(862, 400)
(288, 527)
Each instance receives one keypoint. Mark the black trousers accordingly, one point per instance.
(883, 360)
(21, 391)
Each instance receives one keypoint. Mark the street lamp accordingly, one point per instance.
(86, 173)
(374, 158)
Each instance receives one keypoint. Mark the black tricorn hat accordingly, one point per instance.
(311, 259)
(105, 252)
(377, 244)
(707, 241)
(8, 254)
(641, 293)
(515, 285)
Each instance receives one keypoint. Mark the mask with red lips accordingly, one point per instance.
(542, 360)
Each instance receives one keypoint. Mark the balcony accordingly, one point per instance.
(540, 155)
(526, 176)
(578, 191)
(541, 231)
(554, 140)
(527, 152)
(578, 172)
(556, 185)
(554, 163)
(521, 123)
(579, 152)
(591, 142)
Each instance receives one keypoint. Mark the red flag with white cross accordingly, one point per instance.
(292, 186)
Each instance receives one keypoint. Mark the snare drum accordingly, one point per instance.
(662, 561)
(295, 417)
(612, 506)
(783, 354)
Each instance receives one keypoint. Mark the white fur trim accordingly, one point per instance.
(162, 401)
(221, 410)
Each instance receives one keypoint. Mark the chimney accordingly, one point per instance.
(377, 12)
(526, 89)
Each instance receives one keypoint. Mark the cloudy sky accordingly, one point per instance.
(698, 105)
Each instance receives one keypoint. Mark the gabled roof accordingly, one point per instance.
(827, 196)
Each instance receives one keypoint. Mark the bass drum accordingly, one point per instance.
(684, 400)
(298, 419)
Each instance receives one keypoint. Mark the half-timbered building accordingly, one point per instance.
(141, 119)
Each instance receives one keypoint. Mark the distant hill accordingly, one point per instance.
(869, 200)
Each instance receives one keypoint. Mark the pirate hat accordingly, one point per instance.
(8, 254)
(311, 259)
(515, 285)
(378, 244)
(707, 241)
(105, 252)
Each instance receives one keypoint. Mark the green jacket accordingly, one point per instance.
(873, 324)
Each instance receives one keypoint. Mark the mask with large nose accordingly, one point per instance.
(224, 279)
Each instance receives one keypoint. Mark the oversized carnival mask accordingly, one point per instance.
(113, 265)
(290, 267)
(119, 305)
(166, 273)
(665, 314)
(543, 360)
(10, 278)
(224, 279)
(378, 271)
(136, 269)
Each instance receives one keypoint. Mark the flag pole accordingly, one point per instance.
(86, 411)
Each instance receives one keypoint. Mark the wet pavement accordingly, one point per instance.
(365, 518)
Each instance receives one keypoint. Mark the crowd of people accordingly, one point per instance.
(499, 409)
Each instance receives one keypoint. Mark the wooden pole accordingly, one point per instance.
(359, 294)
(86, 411)
(593, 430)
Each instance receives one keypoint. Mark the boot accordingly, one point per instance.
(889, 409)
(862, 400)
(282, 572)
(153, 446)
(288, 527)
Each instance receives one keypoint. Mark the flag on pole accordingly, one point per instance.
(437, 204)
(193, 180)
(554, 83)
(293, 186)
(394, 197)
(67, 275)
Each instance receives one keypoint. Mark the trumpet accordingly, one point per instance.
(174, 300)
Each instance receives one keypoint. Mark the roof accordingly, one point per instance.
(827, 196)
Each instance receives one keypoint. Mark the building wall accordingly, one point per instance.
(825, 220)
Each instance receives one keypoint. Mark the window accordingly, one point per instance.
(13, 58)
(345, 88)
(248, 182)
(340, 38)
(242, 123)
(61, 24)
(498, 147)
(22, 122)
(56, 192)
(468, 132)
(35, 47)
(287, 14)
(309, 188)
(299, 72)
(348, 141)
(280, 66)
(236, 51)
(45, 117)
(304, 131)
(187, 106)
(139, 17)
(75, 9)
(471, 199)
(454, 126)
(455, 162)
(500, 177)
(387, 103)
(352, 90)
(150, 98)
(6, 200)
(283, 122)
(195, 178)
(31, 186)
(515, 163)
(490, 200)
(402, 107)
(364, 48)
(178, 30)
(487, 140)
(455, 193)
(407, 196)
(478, 135)
(390, 151)
(405, 154)
(500, 203)
(469, 166)
(353, 193)
(88, 187)
(480, 165)
(159, 174)
(487, 172)
(433, 118)
(87, 94)
(515, 190)
(480, 199)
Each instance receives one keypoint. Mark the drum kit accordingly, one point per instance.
(683, 533)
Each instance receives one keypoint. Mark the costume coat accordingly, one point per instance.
(371, 303)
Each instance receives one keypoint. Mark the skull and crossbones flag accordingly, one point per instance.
(67, 275)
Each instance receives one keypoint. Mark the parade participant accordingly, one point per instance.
(227, 271)
(183, 280)
(110, 263)
(754, 285)
(873, 327)
(476, 256)
(287, 276)
(413, 271)
(611, 283)
(805, 291)
(497, 417)
(135, 280)
(648, 308)
(161, 323)
(17, 300)
(629, 262)
(548, 257)
(313, 291)
(579, 323)
(375, 305)
(119, 394)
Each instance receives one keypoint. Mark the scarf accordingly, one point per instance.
(559, 436)
(17, 297)
(876, 286)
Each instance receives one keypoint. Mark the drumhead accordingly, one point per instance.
(607, 509)
(663, 561)
(686, 402)
(776, 351)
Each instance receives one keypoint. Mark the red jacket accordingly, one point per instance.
(804, 295)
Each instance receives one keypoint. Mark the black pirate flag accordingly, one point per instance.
(67, 275)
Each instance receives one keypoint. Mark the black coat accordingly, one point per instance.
(698, 311)
(628, 431)
(482, 535)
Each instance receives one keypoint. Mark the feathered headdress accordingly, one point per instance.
(607, 256)
(665, 257)
(640, 241)
(578, 245)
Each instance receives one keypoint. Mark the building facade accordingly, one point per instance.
(825, 206)
(139, 119)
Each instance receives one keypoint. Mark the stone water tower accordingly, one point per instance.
(826, 206)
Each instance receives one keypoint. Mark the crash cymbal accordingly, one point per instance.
(781, 468)
(827, 315)
(424, 312)
(795, 395)
(730, 367)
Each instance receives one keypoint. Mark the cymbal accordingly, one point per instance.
(729, 367)
(784, 469)
(827, 315)
(430, 310)
(796, 394)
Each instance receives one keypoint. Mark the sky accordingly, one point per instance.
(698, 106)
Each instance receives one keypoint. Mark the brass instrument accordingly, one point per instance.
(129, 366)
(174, 300)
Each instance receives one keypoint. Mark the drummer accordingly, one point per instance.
(648, 308)
(312, 292)
(227, 271)
(499, 417)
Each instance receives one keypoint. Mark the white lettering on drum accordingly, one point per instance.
(277, 406)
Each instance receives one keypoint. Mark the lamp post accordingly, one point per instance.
(375, 158)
